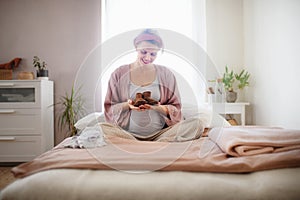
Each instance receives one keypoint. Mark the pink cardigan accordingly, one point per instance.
(117, 93)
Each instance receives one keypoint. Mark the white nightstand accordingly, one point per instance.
(232, 108)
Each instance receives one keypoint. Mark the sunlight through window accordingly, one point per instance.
(185, 17)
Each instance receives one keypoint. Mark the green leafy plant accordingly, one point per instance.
(243, 79)
(229, 78)
(72, 110)
(40, 65)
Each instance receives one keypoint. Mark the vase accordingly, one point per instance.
(42, 74)
(231, 96)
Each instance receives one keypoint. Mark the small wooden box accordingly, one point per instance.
(25, 76)
(6, 74)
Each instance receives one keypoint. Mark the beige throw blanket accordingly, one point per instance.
(247, 141)
(230, 150)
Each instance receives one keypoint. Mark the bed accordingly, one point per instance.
(228, 163)
(225, 163)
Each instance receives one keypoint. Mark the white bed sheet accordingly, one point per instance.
(109, 185)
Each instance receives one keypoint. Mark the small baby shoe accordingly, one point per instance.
(139, 100)
(147, 97)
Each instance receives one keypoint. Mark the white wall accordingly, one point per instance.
(262, 35)
(272, 46)
(225, 33)
(61, 32)
(225, 40)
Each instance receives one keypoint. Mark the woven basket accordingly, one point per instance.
(232, 122)
(6, 74)
(25, 76)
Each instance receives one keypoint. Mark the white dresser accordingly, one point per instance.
(26, 119)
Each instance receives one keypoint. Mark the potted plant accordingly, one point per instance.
(229, 78)
(41, 72)
(72, 110)
(243, 79)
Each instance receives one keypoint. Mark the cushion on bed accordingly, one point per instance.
(205, 112)
(90, 120)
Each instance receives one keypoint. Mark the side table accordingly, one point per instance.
(232, 108)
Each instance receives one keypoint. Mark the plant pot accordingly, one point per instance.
(42, 74)
(231, 96)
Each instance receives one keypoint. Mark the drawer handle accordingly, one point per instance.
(7, 111)
(7, 138)
(7, 84)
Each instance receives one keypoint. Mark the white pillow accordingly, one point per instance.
(205, 113)
(90, 120)
(210, 118)
(218, 121)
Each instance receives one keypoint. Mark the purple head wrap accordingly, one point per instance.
(146, 36)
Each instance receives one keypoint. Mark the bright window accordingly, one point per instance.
(183, 16)
(186, 17)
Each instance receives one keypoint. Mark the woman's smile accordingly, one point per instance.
(146, 62)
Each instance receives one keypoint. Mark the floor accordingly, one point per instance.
(6, 177)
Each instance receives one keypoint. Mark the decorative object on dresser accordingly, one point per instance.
(26, 119)
(229, 78)
(12, 64)
(25, 76)
(41, 72)
(6, 69)
(6, 74)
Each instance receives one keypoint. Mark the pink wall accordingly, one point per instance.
(61, 32)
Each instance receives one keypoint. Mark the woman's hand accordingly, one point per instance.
(131, 106)
(139, 108)
(163, 109)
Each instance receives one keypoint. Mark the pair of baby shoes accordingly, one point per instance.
(144, 98)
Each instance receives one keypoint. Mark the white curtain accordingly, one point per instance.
(183, 16)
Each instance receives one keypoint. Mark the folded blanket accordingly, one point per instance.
(253, 140)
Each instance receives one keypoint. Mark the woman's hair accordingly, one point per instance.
(150, 36)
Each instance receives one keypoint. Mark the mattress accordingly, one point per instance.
(111, 184)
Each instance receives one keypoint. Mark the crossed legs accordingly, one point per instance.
(188, 129)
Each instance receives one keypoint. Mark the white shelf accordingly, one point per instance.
(232, 108)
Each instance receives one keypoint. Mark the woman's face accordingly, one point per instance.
(147, 53)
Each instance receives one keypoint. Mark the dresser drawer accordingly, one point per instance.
(20, 94)
(20, 122)
(19, 148)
